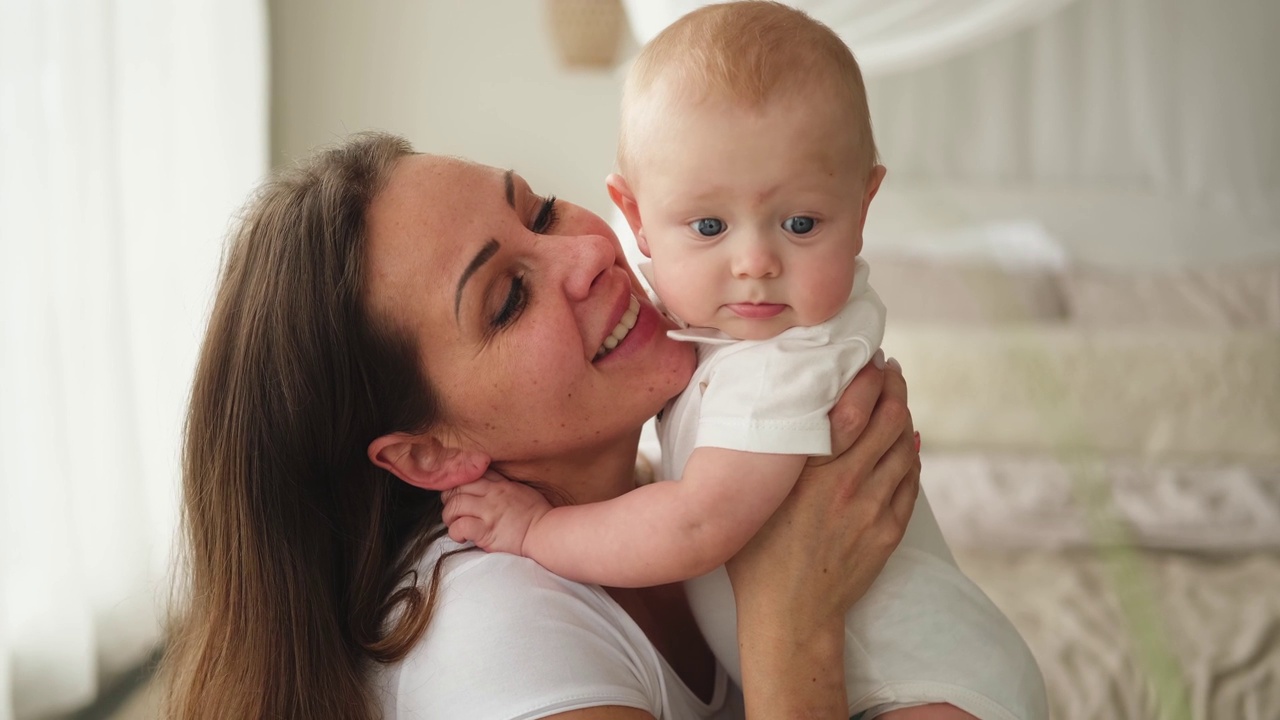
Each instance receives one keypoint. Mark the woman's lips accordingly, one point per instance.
(647, 326)
(756, 311)
(621, 328)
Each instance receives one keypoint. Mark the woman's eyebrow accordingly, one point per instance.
(509, 181)
(490, 248)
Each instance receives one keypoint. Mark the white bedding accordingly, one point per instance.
(1105, 226)
(1174, 395)
(1001, 501)
(1097, 624)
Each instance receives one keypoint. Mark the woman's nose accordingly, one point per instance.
(755, 259)
(588, 258)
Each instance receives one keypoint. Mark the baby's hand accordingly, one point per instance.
(493, 512)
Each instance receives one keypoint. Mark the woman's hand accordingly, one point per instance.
(823, 548)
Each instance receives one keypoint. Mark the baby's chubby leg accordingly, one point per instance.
(933, 711)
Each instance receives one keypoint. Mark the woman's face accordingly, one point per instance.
(511, 297)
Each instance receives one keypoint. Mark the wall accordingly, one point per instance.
(478, 79)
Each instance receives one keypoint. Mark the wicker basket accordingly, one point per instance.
(587, 33)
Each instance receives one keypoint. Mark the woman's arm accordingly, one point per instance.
(797, 577)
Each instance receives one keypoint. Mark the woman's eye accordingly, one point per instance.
(707, 227)
(517, 298)
(799, 225)
(546, 218)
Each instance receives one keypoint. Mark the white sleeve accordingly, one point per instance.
(510, 640)
(774, 396)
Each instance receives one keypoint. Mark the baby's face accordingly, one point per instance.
(752, 218)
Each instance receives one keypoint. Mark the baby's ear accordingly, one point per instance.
(620, 193)
(874, 178)
(423, 461)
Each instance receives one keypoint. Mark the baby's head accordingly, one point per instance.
(747, 165)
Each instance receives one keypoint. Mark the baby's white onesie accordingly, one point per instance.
(924, 633)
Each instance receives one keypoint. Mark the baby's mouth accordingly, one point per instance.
(620, 330)
(756, 311)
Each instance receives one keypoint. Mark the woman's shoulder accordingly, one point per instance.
(467, 569)
(506, 636)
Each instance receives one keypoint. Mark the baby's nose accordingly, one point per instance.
(756, 260)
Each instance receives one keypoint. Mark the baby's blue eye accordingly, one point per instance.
(800, 224)
(707, 227)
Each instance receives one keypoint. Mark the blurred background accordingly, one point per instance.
(1078, 243)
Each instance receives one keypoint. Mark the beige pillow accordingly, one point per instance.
(1167, 394)
(1236, 296)
(923, 290)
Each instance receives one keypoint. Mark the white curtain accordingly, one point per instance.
(129, 133)
(888, 37)
(1173, 98)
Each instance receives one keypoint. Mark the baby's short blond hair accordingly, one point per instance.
(746, 52)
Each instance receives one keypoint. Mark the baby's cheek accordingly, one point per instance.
(827, 294)
(684, 293)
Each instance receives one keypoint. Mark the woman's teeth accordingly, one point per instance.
(623, 327)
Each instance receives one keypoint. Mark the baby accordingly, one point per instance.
(747, 167)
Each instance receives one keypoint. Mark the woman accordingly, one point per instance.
(386, 325)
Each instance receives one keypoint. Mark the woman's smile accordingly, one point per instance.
(647, 324)
(620, 331)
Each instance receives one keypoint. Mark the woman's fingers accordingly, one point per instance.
(895, 379)
(888, 422)
(853, 409)
(898, 476)
(904, 497)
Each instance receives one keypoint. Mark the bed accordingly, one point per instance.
(1102, 433)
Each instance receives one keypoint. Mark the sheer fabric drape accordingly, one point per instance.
(129, 133)
(1174, 98)
(887, 36)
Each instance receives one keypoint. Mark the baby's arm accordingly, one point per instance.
(655, 534)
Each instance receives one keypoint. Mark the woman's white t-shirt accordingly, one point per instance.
(510, 640)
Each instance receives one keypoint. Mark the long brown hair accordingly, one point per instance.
(295, 542)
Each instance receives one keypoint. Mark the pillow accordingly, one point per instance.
(1049, 500)
(1235, 296)
(926, 290)
(1166, 394)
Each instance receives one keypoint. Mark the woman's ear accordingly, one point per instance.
(425, 462)
(620, 193)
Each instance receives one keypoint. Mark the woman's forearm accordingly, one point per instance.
(796, 579)
(787, 676)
